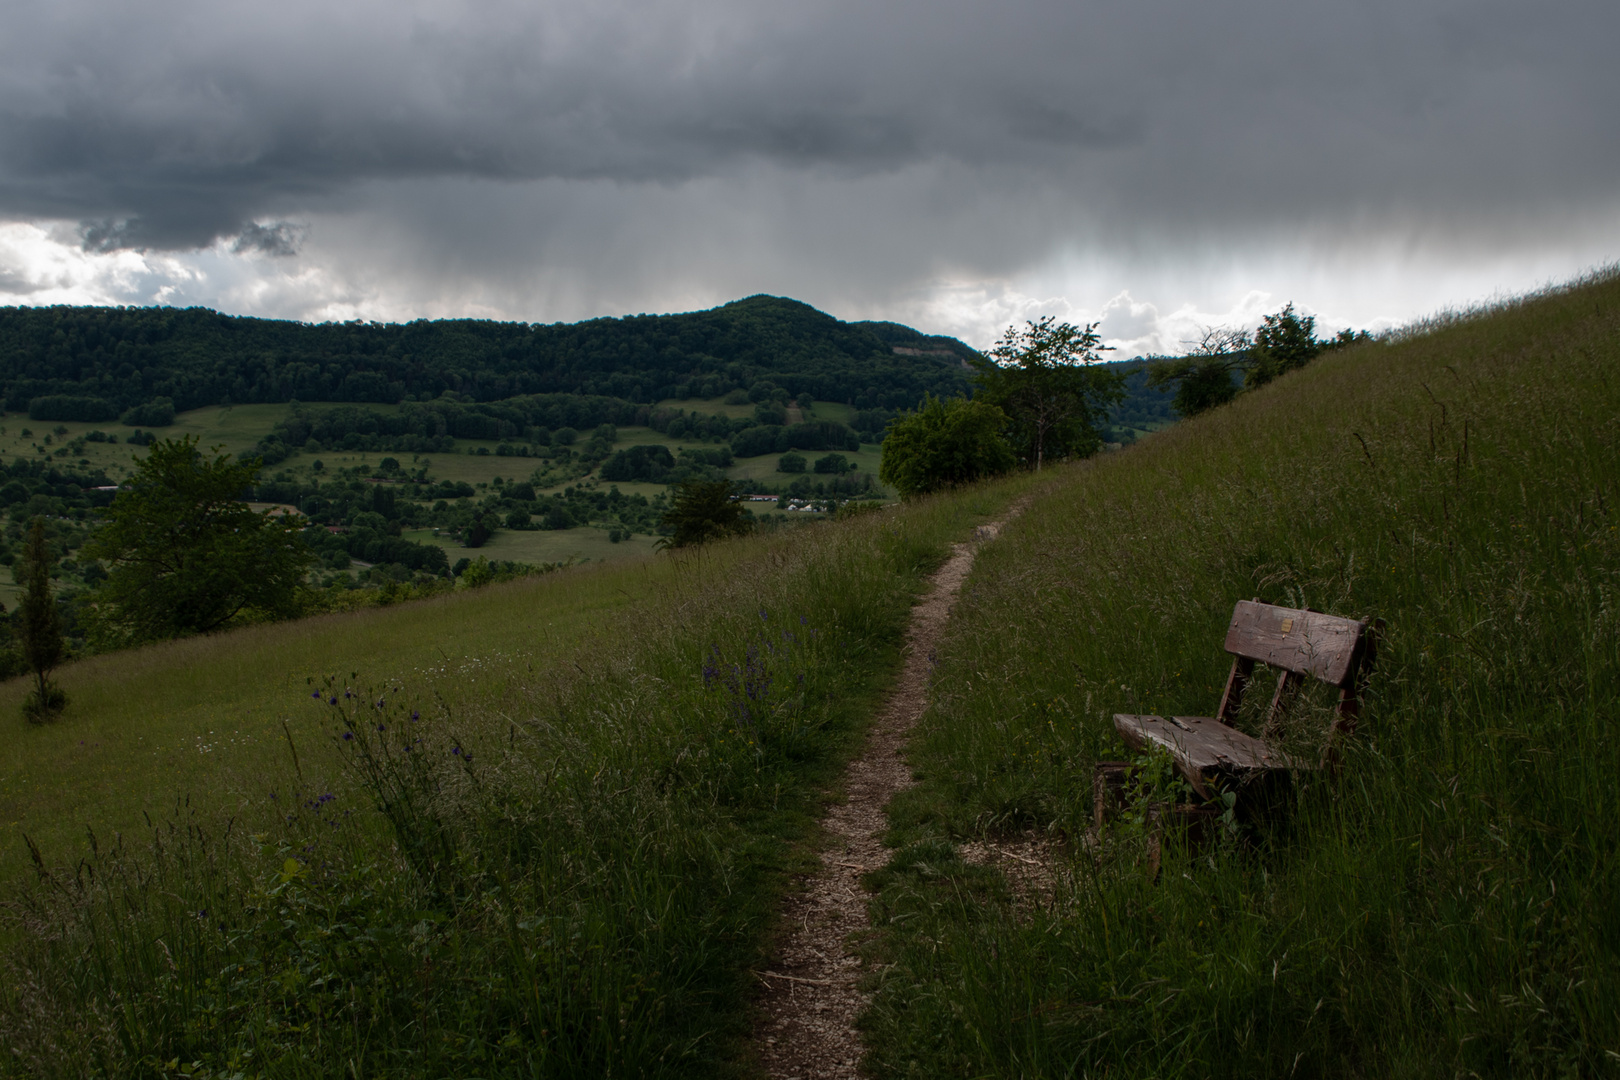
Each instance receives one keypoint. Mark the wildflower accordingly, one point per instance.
(804, 620)
(415, 715)
(382, 727)
(763, 615)
(316, 695)
(347, 736)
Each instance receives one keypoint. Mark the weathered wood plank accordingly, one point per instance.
(1304, 642)
(1204, 749)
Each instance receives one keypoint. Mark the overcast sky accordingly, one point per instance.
(1154, 164)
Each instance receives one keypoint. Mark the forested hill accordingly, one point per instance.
(123, 357)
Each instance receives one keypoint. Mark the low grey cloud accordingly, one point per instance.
(509, 146)
(192, 118)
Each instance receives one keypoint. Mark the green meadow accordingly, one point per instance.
(539, 829)
(543, 829)
(1449, 904)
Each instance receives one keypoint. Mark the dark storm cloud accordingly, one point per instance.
(170, 125)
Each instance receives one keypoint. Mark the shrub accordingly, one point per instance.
(159, 412)
(703, 511)
(944, 443)
(833, 463)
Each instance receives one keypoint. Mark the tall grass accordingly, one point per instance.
(1450, 905)
(555, 871)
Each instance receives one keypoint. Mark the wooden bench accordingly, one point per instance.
(1213, 755)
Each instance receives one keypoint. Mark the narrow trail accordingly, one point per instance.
(809, 999)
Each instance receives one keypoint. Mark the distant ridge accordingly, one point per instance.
(121, 357)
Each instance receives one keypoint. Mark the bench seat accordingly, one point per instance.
(1205, 750)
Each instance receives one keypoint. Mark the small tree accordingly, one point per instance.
(187, 554)
(1045, 379)
(1207, 376)
(39, 628)
(1284, 342)
(704, 510)
(944, 443)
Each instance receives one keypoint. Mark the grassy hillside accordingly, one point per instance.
(538, 830)
(1451, 904)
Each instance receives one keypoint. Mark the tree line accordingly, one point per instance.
(1043, 394)
(98, 362)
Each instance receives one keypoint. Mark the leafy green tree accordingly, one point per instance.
(1208, 376)
(704, 510)
(39, 628)
(478, 533)
(833, 463)
(1044, 379)
(944, 443)
(1284, 342)
(1347, 337)
(186, 555)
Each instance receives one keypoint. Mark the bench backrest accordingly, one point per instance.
(1304, 642)
(1299, 642)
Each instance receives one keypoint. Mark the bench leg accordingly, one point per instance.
(1109, 781)
(1197, 826)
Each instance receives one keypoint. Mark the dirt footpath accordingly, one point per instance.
(809, 999)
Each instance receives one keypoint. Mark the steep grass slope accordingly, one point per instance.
(1451, 905)
(554, 851)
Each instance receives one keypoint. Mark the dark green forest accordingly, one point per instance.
(98, 362)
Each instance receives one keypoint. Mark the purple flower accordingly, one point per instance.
(382, 727)
(804, 620)
(316, 695)
(347, 735)
(415, 715)
(763, 615)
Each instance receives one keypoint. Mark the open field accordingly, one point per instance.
(1448, 905)
(238, 429)
(574, 802)
(582, 543)
(764, 467)
(202, 717)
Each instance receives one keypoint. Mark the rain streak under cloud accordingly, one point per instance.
(1155, 165)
